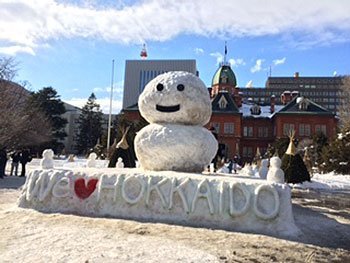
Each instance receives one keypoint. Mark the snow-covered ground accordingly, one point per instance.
(31, 236)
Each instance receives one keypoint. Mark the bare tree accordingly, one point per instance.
(21, 124)
(344, 110)
(8, 68)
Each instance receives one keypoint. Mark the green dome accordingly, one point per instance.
(224, 75)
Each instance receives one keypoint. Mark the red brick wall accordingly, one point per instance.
(230, 140)
(313, 120)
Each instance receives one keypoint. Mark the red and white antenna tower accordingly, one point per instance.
(143, 53)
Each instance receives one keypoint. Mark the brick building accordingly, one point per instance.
(243, 125)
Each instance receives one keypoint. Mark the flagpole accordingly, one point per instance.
(110, 109)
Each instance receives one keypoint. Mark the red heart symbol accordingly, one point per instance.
(83, 191)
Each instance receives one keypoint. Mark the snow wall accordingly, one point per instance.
(219, 202)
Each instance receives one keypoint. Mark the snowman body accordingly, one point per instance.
(275, 173)
(174, 147)
(177, 105)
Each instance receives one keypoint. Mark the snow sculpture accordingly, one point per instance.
(263, 169)
(120, 163)
(47, 161)
(91, 162)
(275, 173)
(177, 105)
(248, 170)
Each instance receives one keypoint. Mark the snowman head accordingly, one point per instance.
(92, 156)
(175, 97)
(275, 162)
(48, 154)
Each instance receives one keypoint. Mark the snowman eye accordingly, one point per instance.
(180, 87)
(160, 87)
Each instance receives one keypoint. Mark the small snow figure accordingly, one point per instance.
(248, 170)
(263, 169)
(91, 162)
(47, 161)
(275, 173)
(255, 169)
(120, 163)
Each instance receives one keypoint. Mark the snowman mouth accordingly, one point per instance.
(168, 108)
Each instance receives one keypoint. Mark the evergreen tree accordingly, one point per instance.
(90, 125)
(336, 157)
(51, 105)
(319, 142)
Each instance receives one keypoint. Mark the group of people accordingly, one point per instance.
(18, 157)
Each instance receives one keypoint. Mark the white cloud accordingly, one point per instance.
(236, 62)
(279, 61)
(104, 104)
(258, 66)
(13, 50)
(198, 51)
(31, 23)
(117, 89)
(249, 84)
(219, 57)
(335, 73)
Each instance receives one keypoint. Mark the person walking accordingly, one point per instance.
(3, 161)
(15, 161)
(25, 158)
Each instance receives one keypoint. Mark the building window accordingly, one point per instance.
(229, 128)
(248, 131)
(287, 128)
(263, 132)
(304, 129)
(247, 152)
(222, 103)
(321, 128)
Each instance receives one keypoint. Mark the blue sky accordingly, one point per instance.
(69, 45)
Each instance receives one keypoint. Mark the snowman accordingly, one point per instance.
(275, 173)
(263, 170)
(91, 162)
(120, 163)
(177, 105)
(47, 161)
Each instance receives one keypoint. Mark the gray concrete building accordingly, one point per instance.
(72, 127)
(325, 91)
(139, 72)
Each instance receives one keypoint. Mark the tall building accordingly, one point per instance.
(325, 91)
(139, 72)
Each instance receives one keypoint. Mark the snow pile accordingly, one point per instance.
(326, 181)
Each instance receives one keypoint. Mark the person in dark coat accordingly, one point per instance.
(25, 158)
(15, 160)
(3, 160)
